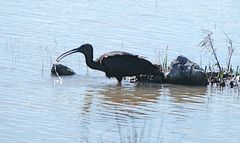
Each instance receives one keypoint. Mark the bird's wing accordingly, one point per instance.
(113, 54)
(126, 65)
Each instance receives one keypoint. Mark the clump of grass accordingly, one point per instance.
(165, 64)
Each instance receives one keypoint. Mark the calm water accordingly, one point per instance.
(36, 107)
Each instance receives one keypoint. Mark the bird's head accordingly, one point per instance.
(86, 49)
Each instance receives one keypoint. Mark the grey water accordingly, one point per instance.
(37, 107)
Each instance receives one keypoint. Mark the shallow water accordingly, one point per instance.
(87, 107)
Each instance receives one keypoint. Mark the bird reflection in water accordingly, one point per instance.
(129, 100)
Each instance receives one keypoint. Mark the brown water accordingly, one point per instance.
(37, 107)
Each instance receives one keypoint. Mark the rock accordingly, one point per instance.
(61, 70)
(184, 71)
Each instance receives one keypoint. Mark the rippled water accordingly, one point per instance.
(37, 107)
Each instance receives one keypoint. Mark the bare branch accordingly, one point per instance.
(230, 50)
(208, 44)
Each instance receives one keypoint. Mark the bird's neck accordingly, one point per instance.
(92, 64)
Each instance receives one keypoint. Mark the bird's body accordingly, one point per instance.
(116, 64)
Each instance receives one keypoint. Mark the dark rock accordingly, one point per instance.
(61, 70)
(184, 71)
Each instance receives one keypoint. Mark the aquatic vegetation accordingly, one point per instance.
(224, 75)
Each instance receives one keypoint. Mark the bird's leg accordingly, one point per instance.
(119, 80)
(137, 78)
(119, 84)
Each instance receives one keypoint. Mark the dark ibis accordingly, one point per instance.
(116, 64)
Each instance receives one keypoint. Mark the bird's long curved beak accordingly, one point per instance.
(67, 53)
